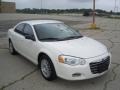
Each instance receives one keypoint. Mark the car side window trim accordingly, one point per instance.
(21, 32)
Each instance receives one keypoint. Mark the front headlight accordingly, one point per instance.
(73, 61)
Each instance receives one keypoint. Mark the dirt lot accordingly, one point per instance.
(17, 73)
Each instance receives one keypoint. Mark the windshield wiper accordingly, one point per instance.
(55, 39)
(61, 39)
(72, 37)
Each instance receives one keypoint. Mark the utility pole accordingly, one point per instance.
(0, 6)
(94, 12)
(116, 8)
(41, 6)
(93, 25)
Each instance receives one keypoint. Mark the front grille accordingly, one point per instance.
(99, 67)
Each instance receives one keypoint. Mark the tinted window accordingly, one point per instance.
(19, 28)
(28, 30)
(55, 31)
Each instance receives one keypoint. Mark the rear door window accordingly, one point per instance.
(19, 28)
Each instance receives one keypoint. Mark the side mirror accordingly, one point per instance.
(30, 37)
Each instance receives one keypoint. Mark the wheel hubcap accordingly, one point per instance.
(45, 68)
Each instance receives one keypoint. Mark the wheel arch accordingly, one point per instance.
(47, 54)
(39, 55)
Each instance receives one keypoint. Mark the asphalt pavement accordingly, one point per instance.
(18, 73)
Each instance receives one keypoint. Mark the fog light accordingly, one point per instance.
(76, 75)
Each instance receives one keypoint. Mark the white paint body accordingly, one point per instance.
(87, 48)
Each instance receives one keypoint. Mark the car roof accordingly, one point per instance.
(34, 22)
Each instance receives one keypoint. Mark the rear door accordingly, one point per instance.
(18, 37)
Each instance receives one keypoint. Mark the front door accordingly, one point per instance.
(29, 46)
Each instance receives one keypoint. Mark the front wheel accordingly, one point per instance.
(47, 68)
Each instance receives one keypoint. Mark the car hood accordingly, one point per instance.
(83, 47)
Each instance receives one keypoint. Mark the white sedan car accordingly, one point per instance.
(58, 50)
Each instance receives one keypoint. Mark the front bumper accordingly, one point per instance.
(81, 72)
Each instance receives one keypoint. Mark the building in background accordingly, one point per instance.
(8, 7)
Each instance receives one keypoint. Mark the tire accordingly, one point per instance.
(47, 68)
(11, 48)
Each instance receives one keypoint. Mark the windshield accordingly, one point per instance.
(55, 31)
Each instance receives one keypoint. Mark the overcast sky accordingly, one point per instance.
(64, 4)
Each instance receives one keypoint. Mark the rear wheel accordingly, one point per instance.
(11, 48)
(47, 68)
